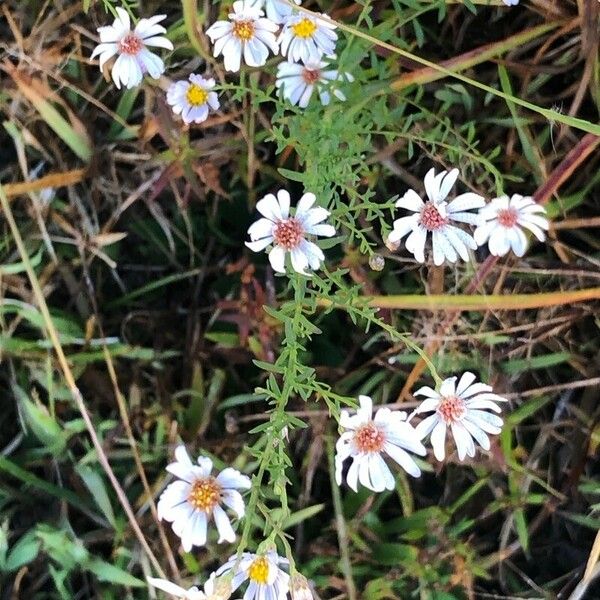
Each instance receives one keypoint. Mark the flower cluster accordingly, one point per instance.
(499, 223)
(465, 408)
(366, 439)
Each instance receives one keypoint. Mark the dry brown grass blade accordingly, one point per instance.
(473, 57)
(482, 303)
(52, 180)
(559, 175)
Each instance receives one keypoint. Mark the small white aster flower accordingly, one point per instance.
(277, 10)
(306, 37)
(193, 98)
(462, 408)
(189, 502)
(134, 58)
(435, 216)
(246, 34)
(511, 2)
(180, 593)
(504, 219)
(266, 579)
(288, 233)
(367, 438)
(296, 82)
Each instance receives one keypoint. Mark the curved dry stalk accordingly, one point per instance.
(72, 385)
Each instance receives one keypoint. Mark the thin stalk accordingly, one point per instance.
(340, 524)
(70, 380)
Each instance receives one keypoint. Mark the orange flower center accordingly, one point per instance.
(259, 570)
(431, 218)
(244, 30)
(451, 409)
(130, 44)
(369, 438)
(289, 233)
(508, 217)
(310, 76)
(205, 494)
(304, 28)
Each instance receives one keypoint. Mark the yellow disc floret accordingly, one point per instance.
(195, 95)
(205, 494)
(259, 570)
(243, 30)
(304, 28)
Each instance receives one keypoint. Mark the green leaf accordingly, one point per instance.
(395, 554)
(302, 515)
(95, 484)
(23, 552)
(106, 572)
(43, 425)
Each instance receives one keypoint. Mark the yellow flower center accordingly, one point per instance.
(196, 95)
(259, 570)
(205, 494)
(304, 28)
(244, 30)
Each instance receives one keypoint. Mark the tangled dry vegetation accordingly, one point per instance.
(134, 227)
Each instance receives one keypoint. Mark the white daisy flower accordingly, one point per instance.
(191, 501)
(277, 10)
(504, 219)
(267, 581)
(296, 82)
(211, 591)
(134, 58)
(246, 33)
(306, 37)
(461, 407)
(367, 438)
(435, 216)
(288, 233)
(193, 98)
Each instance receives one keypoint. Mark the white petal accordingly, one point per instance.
(411, 201)
(447, 184)
(403, 458)
(465, 381)
(226, 533)
(448, 387)
(277, 259)
(438, 440)
(232, 479)
(283, 198)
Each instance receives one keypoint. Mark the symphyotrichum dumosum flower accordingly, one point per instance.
(189, 502)
(211, 591)
(277, 10)
(435, 216)
(297, 81)
(134, 58)
(463, 408)
(367, 439)
(288, 233)
(504, 219)
(266, 580)
(193, 98)
(246, 34)
(307, 37)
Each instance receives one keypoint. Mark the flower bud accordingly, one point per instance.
(299, 588)
(376, 262)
